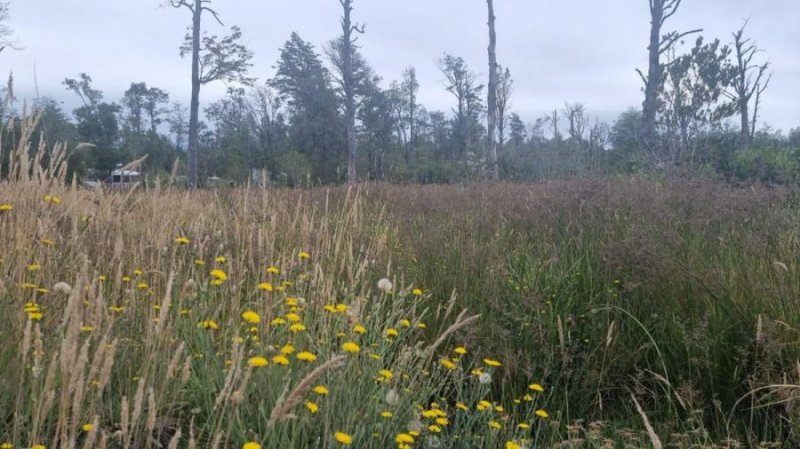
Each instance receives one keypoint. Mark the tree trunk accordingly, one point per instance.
(194, 112)
(654, 74)
(494, 171)
(349, 92)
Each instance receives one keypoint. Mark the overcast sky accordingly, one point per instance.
(570, 50)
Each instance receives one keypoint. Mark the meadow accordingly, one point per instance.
(598, 312)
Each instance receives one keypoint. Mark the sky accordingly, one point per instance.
(558, 51)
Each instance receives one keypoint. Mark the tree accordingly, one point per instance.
(213, 59)
(749, 80)
(5, 30)
(491, 105)
(349, 83)
(96, 123)
(409, 88)
(660, 11)
(178, 121)
(505, 88)
(462, 83)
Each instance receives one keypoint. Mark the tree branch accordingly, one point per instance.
(669, 42)
(213, 13)
(641, 75)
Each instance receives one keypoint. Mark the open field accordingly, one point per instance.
(214, 319)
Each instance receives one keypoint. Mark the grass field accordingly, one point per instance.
(590, 313)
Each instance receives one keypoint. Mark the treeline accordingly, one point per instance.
(293, 127)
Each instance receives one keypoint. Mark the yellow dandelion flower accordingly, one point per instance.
(38, 446)
(251, 317)
(434, 428)
(351, 347)
(495, 425)
(343, 438)
(272, 269)
(416, 292)
(492, 362)
(277, 321)
(391, 332)
(442, 421)
(542, 414)
(88, 427)
(290, 301)
(523, 426)
(219, 275)
(34, 267)
(306, 356)
(6, 208)
(447, 363)
(462, 406)
(257, 362)
(5, 445)
(287, 349)
(220, 259)
(200, 263)
(251, 445)
(297, 327)
(209, 324)
(330, 308)
(321, 390)
(359, 329)
(304, 255)
(405, 323)
(265, 286)
(536, 387)
(513, 445)
(483, 405)
(460, 350)
(52, 199)
(385, 374)
(404, 438)
(312, 407)
(182, 240)
(142, 286)
(386, 414)
(280, 360)
(499, 409)
(86, 328)
(293, 317)
(422, 325)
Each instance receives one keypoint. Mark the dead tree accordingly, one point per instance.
(348, 82)
(505, 88)
(494, 170)
(750, 80)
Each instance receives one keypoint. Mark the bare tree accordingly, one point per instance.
(494, 172)
(660, 12)
(576, 116)
(348, 43)
(505, 88)
(749, 79)
(5, 30)
(213, 59)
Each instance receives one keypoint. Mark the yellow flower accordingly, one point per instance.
(88, 427)
(277, 321)
(5, 445)
(342, 437)
(391, 332)
(86, 328)
(494, 425)
(536, 387)
(200, 262)
(291, 301)
(306, 356)
(416, 292)
(251, 445)
(219, 275)
(257, 362)
(293, 317)
(483, 405)
(321, 390)
(297, 327)
(138, 272)
(492, 362)
(221, 259)
(208, 324)
(542, 414)
(442, 421)
(387, 414)
(287, 349)
(462, 406)
(304, 255)
(351, 347)
(280, 360)
(6, 208)
(404, 438)
(359, 329)
(434, 428)
(523, 426)
(142, 286)
(385, 374)
(251, 317)
(405, 323)
(38, 446)
(312, 407)
(527, 398)
(512, 445)
(52, 199)
(341, 308)
(447, 363)
(34, 267)
(48, 242)
(460, 350)
(182, 240)
(266, 286)
(272, 269)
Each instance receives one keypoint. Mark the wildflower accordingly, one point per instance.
(257, 362)
(5, 445)
(221, 259)
(138, 272)
(280, 360)
(265, 286)
(312, 407)
(277, 321)
(523, 426)
(342, 437)
(297, 327)
(251, 317)
(483, 405)
(86, 328)
(442, 421)
(34, 267)
(321, 390)
(88, 427)
(306, 356)
(200, 263)
(304, 255)
(416, 292)
(460, 350)
(499, 408)
(385, 374)
(251, 445)
(6, 208)
(272, 269)
(447, 363)
(351, 347)
(434, 428)
(485, 379)
(341, 308)
(142, 286)
(291, 302)
(494, 425)
(38, 446)
(48, 242)
(542, 414)
(293, 317)
(392, 397)
(404, 438)
(492, 362)
(52, 199)
(287, 349)
(102, 278)
(182, 240)
(385, 285)
(513, 445)
(359, 329)
(208, 324)
(405, 323)
(536, 387)
(527, 398)
(391, 332)
(462, 406)
(422, 325)
(219, 276)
